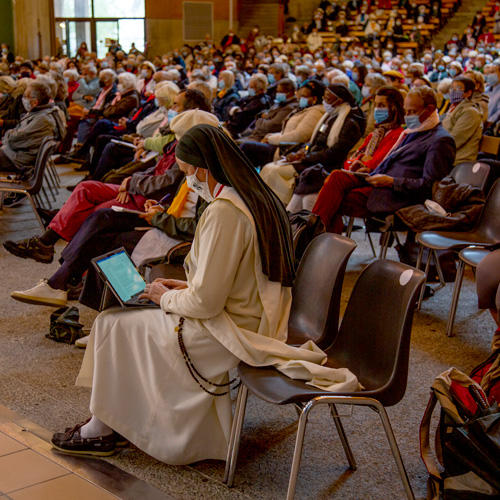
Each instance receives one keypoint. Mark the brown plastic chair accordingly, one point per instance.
(31, 188)
(373, 342)
(317, 290)
(485, 233)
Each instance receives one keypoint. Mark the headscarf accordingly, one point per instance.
(343, 93)
(208, 147)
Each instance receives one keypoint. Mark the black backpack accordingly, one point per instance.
(305, 227)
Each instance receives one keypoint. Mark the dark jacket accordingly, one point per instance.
(333, 158)
(250, 107)
(148, 108)
(14, 113)
(272, 122)
(222, 105)
(415, 165)
(99, 113)
(124, 107)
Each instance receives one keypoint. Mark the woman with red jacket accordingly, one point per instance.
(389, 117)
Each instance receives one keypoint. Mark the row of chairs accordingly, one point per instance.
(373, 345)
(44, 174)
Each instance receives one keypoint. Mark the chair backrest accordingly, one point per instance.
(488, 224)
(472, 173)
(317, 290)
(374, 337)
(489, 144)
(47, 147)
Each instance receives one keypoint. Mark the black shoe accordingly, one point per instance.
(13, 199)
(31, 248)
(121, 442)
(46, 215)
(84, 167)
(71, 442)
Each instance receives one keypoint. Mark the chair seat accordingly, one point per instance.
(442, 240)
(270, 385)
(473, 256)
(21, 185)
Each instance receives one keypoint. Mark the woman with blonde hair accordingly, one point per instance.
(227, 95)
(479, 97)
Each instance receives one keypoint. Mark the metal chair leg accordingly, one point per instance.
(237, 409)
(395, 450)
(371, 242)
(439, 269)
(238, 424)
(427, 266)
(343, 437)
(350, 225)
(297, 452)
(37, 215)
(456, 296)
(385, 244)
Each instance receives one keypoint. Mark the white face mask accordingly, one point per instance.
(199, 187)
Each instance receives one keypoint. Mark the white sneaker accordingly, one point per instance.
(42, 294)
(82, 343)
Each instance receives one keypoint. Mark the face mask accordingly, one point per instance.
(280, 97)
(5, 51)
(355, 77)
(491, 79)
(199, 187)
(271, 79)
(453, 72)
(328, 107)
(144, 73)
(380, 115)
(171, 114)
(365, 92)
(25, 74)
(303, 102)
(104, 65)
(221, 84)
(157, 104)
(456, 96)
(251, 92)
(66, 79)
(102, 83)
(412, 121)
(440, 68)
(326, 81)
(408, 81)
(119, 71)
(27, 104)
(120, 88)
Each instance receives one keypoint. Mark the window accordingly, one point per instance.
(99, 23)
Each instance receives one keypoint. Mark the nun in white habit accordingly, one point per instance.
(159, 377)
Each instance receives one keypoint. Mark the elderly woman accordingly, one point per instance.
(226, 97)
(11, 117)
(335, 134)
(245, 111)
(389, 117)
(143, 365)
(146, 84)
(443, 96)
(72, 77)
(479, 97)
(463, 120)
(297, 127)
(7, 87)
(373, 82)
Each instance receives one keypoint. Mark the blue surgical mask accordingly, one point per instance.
(491, 79)
(211, 68)
(365, 92)
(412, 121)
(271, 79)
(303, 102)
(157, 104)
(380, 115)
(251, 92)
(300, 79)
(221, 84)
(171, 114)
(441, 68)
(326, 81)
(355, 77)
(453, 72)
(280, 97)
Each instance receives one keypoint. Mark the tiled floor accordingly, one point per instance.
(27, 475)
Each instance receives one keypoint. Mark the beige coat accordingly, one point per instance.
(465, 125)
(299, 127)
(141, 386)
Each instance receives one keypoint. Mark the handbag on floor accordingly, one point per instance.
(467, 443)
(64, 325)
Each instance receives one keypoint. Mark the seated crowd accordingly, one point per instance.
(214, 144)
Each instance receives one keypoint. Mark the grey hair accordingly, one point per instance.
(50, 83)
(287, 84)
(260, 81)
(128, 80)
(279, 67)
(375, 80)
(40, 91)
(107, 74)
(72, 73)
(425, 93)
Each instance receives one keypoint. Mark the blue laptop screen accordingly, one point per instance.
(122, 275)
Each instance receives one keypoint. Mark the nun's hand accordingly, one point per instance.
(172, 284)
(154, 292)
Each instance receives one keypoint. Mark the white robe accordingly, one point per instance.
(141, 386)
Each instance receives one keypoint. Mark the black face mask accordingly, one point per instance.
(25, 74)
(102, 83)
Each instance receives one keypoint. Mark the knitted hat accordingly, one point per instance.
(181, 123)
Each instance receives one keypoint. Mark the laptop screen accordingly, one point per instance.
(122, 275)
